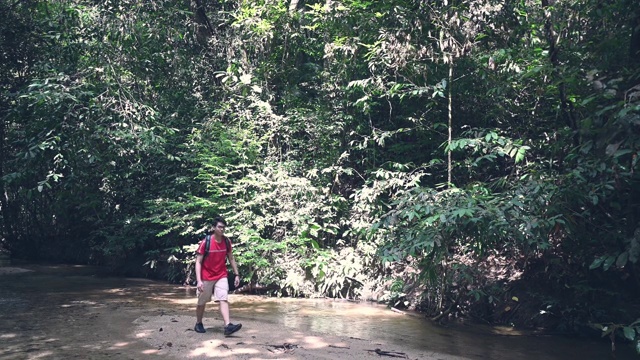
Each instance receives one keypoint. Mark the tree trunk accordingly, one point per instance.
(634, 47)
(565, 104)
(450, 115)
(293, 5)
(205, 30)
(3, 192)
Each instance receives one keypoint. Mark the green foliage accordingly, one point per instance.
(628, 332)
(326, 133)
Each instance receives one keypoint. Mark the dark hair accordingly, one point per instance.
(216, 220)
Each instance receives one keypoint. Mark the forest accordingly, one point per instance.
(465, 159)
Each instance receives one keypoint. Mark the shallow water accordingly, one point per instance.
(367, 321)
(58, 291)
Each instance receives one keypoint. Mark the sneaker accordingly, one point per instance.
(199, 328)
(231, 328)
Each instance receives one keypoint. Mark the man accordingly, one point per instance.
(211, 274)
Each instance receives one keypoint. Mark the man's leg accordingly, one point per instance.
(229, 328)
(224, 311)
(200, 312)
(203, 298)
(221, 295)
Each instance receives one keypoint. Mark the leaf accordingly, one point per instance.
(432, 219)
(621, 152)
(622, 259)
(596, 263)
(246, 79)
(521, 152)
(612, 148)
(629, 333)
(460, 213)
(608, 262)
(515, 298)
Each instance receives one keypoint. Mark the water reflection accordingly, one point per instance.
(70, 287)
(369, 321)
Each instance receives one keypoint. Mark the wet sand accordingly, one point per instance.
(108, 324)
(74, 312)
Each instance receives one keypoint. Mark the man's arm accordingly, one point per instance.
(199, 258)
(232, 261)
(234, 266)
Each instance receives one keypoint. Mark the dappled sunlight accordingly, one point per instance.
(42, 355)
(314, 342)
(93, 346)
(50, 340)
(208, 344)
(506, 330)
(78, 303)
(8, 336)
(189, 301)
(253, 340)
(114, 291)
(150, 351)
(120, 344)
(220, 353)
(218, 349)
(250, 331)
(143, 334)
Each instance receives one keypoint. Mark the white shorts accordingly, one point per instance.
(218, 288)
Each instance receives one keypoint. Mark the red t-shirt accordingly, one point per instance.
(214, 266)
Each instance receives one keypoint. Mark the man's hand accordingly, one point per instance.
(236, 281)
(200, 286)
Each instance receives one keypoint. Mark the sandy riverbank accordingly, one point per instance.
(107, 324)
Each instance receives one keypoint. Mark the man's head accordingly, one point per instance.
(218, 225)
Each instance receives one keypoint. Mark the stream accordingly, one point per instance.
(36, 303)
